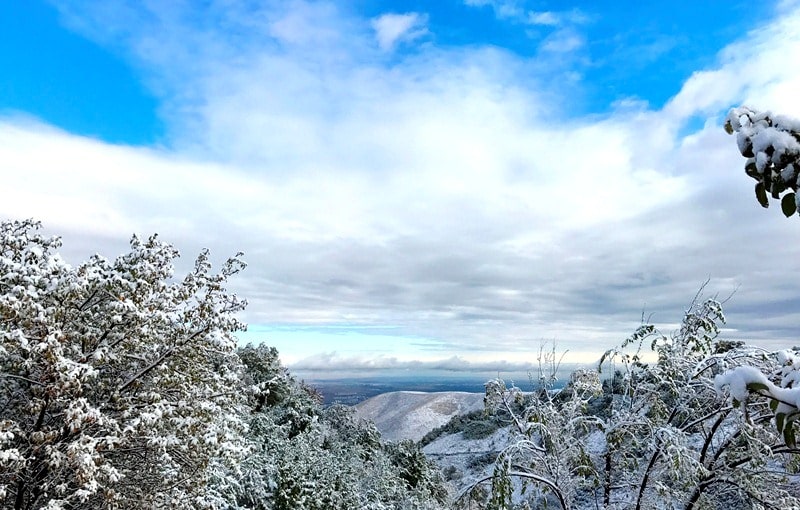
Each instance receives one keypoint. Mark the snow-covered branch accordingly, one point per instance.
(771, 144)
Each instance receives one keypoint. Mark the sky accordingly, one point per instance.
(416, 185)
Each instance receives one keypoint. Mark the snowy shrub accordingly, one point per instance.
(549, 453)
(473, 425)
(657, 434)
(482, 459)
(451, 473)
(480, 429)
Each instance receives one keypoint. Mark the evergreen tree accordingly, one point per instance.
(115, 378)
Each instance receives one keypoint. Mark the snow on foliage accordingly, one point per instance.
(653, 435)
(116, 378)
(123, 388)
(305, 457)
(782, 393)
(771, 144)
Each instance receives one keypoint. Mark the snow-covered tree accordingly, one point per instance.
(771, 144)
(660, 436)
(306, 457)
(122, 387)
(118, 382)
(664, 433)
(694, 450)
(545, 458)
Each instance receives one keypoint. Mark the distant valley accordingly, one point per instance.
(351, 391)
(354, 391)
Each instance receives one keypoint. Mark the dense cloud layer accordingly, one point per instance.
(442, 191)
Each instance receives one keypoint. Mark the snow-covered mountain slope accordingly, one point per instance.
(411, 414)
(465, 461)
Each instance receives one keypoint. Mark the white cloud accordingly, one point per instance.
(447, 195)
(84, 187)
(393, 28)
(557, 18)
(331, 361)
(561, 36)
(563, 41)
(307, 24)
(514, 11)
(753, 70)
(548, 18)
(503, 9)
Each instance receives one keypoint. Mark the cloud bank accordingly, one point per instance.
(331, 361)
(442, 192)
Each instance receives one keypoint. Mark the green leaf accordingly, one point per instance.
(728, 127)
(735, 402)
(788, 436)
(761, 195)
(756, 386)
(773, 405)
(788, 204)
(780, 421)
(777, 188)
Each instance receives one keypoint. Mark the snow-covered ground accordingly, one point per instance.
(464, 461)
(411, 415)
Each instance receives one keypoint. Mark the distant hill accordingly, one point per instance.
(411, 414)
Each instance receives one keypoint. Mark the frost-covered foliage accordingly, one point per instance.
(122, 387)
(771, 144)
(544, 456)
(777, 384)
(657, 434)
(116, 379)
(306, 457)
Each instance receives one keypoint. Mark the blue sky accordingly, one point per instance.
(451, 183)
(64, 79)
(628, 50)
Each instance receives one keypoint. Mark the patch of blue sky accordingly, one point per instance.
(56, 75)
(613, 51)
(646, 51)
(296, 342)
(454, 24)
(696, 123)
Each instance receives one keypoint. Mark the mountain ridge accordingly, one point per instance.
(400, 415)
